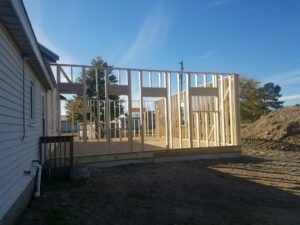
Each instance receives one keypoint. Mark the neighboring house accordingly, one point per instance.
(28, 100)
(66, 126)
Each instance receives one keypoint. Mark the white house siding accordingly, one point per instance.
(16, 156)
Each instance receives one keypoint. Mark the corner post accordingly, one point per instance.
(84, 106)
(129, 110)
(167, 99)
(141, 109)
(236, 105)
(107, 109)
(179, 109)
(189, 110)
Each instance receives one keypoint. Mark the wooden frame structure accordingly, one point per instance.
(153, 106)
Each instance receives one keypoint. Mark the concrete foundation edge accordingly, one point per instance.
(162, 160)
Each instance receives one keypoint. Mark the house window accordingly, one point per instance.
(32, 102)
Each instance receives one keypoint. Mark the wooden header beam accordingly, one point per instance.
(146, 70)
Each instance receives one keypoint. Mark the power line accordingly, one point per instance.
(287, 78)
(296, 85)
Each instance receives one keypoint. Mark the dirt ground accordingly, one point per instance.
(262, 187)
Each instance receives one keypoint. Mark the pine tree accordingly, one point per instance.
(97, 64)
(270, 97)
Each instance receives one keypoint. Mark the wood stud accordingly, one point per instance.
(190, 115)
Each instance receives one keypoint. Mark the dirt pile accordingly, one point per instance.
(280, 125)
(277, 130)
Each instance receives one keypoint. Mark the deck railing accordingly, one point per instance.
(57, 157)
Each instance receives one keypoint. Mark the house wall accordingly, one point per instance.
(16, 155)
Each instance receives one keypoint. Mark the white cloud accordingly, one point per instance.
(289, 97)
(153, 30)
(209, 54)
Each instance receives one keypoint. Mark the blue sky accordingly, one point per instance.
(259, 39)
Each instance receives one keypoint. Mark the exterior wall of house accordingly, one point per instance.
(16, 153)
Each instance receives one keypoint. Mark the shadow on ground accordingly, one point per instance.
(169, 193)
